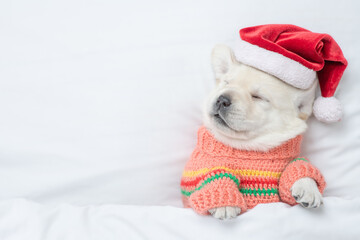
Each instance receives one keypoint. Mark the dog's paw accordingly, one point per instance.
(306, 192)
(225, 212)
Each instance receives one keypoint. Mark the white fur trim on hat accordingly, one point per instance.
(278, 65)
(327, 109)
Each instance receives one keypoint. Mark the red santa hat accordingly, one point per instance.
(296, 56)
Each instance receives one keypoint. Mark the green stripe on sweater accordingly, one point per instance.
(209, 180)
(246, 191)
(300, 159)
(255, 192)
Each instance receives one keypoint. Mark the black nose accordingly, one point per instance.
(223, 102)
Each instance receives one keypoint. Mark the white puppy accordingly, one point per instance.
(265, 112)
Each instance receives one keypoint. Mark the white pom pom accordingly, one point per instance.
(327, 110)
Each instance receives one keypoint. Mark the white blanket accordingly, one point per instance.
(21, 219)
(100, 102)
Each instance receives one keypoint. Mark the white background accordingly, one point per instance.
(100, 102)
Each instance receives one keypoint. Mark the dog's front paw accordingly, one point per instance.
(225, 212)
(306, 192)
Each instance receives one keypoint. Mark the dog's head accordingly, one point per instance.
(252, 110)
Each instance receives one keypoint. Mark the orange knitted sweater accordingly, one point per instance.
(218, 175)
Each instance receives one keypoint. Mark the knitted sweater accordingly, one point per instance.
(218, 175)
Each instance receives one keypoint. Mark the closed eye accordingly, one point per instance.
(258, 97)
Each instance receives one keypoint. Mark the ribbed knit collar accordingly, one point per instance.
(208, 144)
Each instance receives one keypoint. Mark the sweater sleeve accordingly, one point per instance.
(217, 190)
(295, 170)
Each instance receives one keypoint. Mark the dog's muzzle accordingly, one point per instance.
(220, 108)
(222, 103)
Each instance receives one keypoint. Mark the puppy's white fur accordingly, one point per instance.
(306, 192)
(225, 212)
(264, 113)
(255, 124)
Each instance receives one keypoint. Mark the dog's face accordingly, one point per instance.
(252, 110)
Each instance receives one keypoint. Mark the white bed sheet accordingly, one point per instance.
(99, 106)
(22, 219)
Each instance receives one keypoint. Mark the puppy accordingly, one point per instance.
(248, 148)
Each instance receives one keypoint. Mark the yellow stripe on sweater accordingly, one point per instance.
(248, 172)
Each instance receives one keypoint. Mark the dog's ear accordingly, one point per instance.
(222, 57)
(305, 101)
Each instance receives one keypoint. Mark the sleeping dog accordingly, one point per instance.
(248, 151)
(253, 113)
